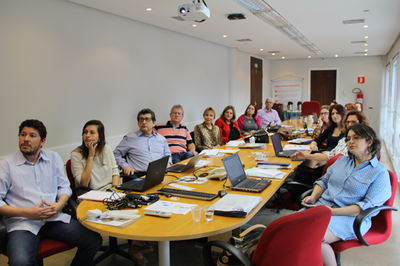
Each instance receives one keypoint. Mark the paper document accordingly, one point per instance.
(97, 195)
(300, 141)
(234, 143)
(209, 153)
(259, 172)
(169, 206)
(119, 219)
(180, 186)
(291, 147)
(235, 202)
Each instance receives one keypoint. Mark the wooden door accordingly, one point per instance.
(323, 86)
(256, 68)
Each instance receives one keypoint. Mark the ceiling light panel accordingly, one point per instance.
(265, 12)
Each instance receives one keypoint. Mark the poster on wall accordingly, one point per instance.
(285, 91)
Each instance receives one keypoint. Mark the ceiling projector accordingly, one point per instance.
(195, 11)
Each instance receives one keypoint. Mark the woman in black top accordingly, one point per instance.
(334, 132)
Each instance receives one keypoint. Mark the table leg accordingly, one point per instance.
(163, 253)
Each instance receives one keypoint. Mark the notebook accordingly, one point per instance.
(237, 176)
(154, 176)
(178, 168)
(279, 152)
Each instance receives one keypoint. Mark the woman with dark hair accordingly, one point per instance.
(93, 164)
(334, 132)
(323, 122)
(352, 184)
(249, 122)
(228, 125)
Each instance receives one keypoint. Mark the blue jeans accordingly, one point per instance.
(177, 157)
(22, 246)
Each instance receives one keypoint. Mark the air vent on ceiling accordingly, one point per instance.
(274, 52)
(360, 52)
(359, 42)
(178, 18)
(244, 40)
(236, 16)
(354, 21)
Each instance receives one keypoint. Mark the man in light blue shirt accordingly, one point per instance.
(141, 147)
(33, 190)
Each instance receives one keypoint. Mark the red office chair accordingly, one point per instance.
(293, 240)
(380, 229)
(113, 246)
(309, 107)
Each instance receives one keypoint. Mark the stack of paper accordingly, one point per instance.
(236, 203)
(259, 172)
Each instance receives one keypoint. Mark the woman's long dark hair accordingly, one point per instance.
(100, 146)
(255, 110)
(341, 110)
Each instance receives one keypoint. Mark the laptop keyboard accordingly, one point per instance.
(248, 183)
(187, 194)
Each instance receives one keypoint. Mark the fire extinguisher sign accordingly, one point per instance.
(361, 80)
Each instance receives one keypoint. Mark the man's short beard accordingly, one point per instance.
(30, 153)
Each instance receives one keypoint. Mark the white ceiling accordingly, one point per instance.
(319, 20)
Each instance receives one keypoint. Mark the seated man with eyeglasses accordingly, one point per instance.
(137, 149)
(177, 134)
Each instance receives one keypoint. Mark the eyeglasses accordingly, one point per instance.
(354, 138)
(352, 122)
(147, 119)
(176, 113)
(325, 113)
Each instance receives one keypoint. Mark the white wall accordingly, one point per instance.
(65, 64)
(348, 70)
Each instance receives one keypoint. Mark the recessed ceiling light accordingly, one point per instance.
(273, 54)
(336, 55)
(366, 44)
(366, 50)
(309, 56)
(148, 9)
(224, 36)
(261, 49)
(283, 57)
(366, 37)
(365, 54)
(366, 10)
(194, 25)
(365, 26)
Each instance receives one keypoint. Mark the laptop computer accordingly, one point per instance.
(178, 168)
(154, 176)
(279, 152)
(238, 178)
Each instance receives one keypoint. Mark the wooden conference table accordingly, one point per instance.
(182, 227)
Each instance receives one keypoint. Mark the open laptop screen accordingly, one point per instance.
(234, 169)
(276, 142)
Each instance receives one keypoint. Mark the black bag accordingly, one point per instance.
(246, 242)
(274, 129)
(305, 175)
(261, 136)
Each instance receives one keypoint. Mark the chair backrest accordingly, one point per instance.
(309, 107)
(70, 177)
(330, 162)
(294, 239)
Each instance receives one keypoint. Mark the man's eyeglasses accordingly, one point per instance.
(352, 122)
(176, 113)
(325, 113)
(355, 138)
(147, 119)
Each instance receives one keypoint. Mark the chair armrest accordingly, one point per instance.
(362, 216)
(302, 196)
(298, 184)
(3, 236)
(208, 259)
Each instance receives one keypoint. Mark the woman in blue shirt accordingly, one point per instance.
(352, 184)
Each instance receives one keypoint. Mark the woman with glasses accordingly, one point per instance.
(352, 184)
(334, 131)
(323, 122)
(228, 126)
(249, 122)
